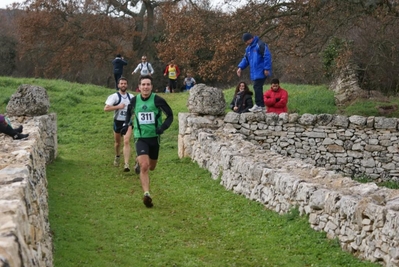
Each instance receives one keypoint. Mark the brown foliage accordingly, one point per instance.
(209, 42)
(63, 39)
(201, 41)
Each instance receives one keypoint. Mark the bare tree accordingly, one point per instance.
(297, 33)
(77, 39)
(68, 38)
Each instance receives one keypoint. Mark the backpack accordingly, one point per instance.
(262, 47)
(143, 65)
(148, 68)
(120, 98)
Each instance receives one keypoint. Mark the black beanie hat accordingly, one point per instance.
(247, 36)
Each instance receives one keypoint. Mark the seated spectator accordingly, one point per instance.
(276, 98)
(242, 100)
(6, 128)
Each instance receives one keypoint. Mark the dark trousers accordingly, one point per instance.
(258, 89)
(8, 130)
(172, 85)
(117, 76)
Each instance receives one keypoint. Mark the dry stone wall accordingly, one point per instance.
(25, 238)
(271, 159)
(354, 146)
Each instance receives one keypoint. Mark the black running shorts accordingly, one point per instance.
(148, 146)
(118, 126)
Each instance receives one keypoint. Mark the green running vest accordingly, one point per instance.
(147, 118)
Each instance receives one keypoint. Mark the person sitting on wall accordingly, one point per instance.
(242, 100)
(276, 98)
(5, 127)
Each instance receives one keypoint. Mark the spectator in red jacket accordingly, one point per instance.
(276, 98)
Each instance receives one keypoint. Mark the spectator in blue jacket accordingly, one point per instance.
(118, 64)
(258, 58)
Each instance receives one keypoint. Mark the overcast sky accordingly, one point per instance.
(4, 3)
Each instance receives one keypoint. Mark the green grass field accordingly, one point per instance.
(98, 219)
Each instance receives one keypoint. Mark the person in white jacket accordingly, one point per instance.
(144, 67)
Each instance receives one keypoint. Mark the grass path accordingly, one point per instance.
(98, 218)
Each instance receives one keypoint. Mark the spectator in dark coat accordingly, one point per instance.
(118, 64)
(242, 100)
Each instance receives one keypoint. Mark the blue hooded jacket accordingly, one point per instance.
(257, 64)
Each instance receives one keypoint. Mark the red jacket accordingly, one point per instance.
(276, 101)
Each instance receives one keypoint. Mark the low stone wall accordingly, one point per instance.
(354, 146)
(363, 217)
(25, 238)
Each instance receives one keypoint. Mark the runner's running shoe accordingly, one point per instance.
(116, 161)
(126, 168)
(147, 200)
(137, 168)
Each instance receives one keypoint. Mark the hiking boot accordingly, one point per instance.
(147, 200)
(19, 129)
(126, 168)
(20, 136)
(137, 168)
(256, 108)
(116, 161)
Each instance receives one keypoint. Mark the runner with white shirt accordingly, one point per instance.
(144, 67)
(118, 102)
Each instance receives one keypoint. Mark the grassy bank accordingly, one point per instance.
(98, 218)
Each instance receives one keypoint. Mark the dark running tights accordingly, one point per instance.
(8, 130)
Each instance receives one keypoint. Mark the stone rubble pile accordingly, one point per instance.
(345, 85)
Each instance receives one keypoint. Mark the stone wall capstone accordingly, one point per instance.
(206, 100)
(28, 100)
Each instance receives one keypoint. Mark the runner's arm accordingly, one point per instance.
(130, 110)
(137, 68)
(151, 68)
(166, 109)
